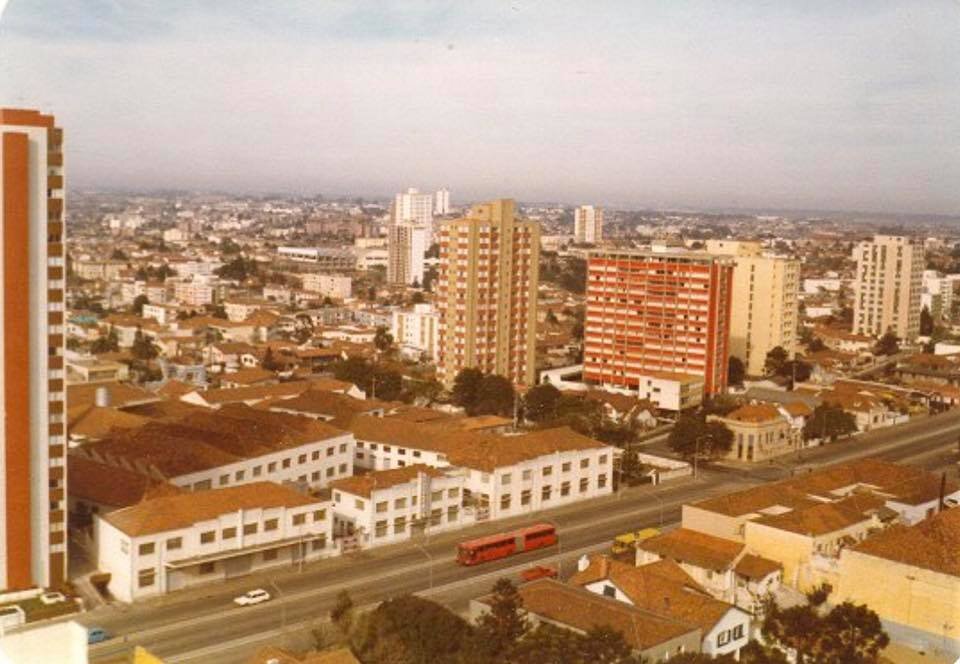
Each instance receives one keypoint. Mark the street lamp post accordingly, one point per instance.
(283, 606)
(429, 563)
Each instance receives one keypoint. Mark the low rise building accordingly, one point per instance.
(760, 432)
(328, 285)
(181, 540)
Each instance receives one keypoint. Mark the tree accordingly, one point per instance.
(465, 387)
(926, 322)
(499, 629)
(848, 634)
(887, 345)
(631, 470)
(269, 362)
(495, 396)
(583, 415)
(383, 340)
(118, 255)
(228, 246)
(342, 612)
(604, 645)
(816, 345)
(220, 311)
(774, 363)
(736, 372)
(143, 348)
(829, 422)
(693, 436)
(540, 403)
(417, 298)
(410, 630)
(138, 303)
(107, 344)
(239, 269)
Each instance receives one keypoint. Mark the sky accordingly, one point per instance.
(811, 104)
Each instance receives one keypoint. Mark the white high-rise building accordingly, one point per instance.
(412, 206)
(407, 244)
(33, 501)
(417, 329)
(441, 202)
(588, 224)
(889, 286)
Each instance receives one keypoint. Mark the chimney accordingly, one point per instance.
(102, 397)
(583, 562)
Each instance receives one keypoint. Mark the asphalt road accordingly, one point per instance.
(205, 626)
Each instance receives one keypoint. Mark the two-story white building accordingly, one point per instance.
(233, 445)
(387, 506)
(504, 475)
(180, 540)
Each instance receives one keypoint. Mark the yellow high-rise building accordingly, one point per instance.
(766, 295)
(487, 293)
(888, 287)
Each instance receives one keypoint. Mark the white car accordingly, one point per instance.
(252, 597)
(52, 598)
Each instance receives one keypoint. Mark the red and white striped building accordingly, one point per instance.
(651, 312)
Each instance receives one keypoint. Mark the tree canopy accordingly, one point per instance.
(736, 371)
(483, 394)
(829, 421)
(540, 403)
(847, 634)
(888, 344)
(692, 434)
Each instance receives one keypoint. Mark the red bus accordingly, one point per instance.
(502, 545)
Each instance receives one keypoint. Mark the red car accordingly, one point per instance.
(538, 572)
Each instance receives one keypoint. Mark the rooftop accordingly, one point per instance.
(364, 485)
(173, 512)
(689, 546)
(932, 544)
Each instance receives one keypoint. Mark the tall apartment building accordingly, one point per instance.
(441, 202)
(657, 313)
(406, 245)
(588, 224)
(766, 309)
(888, 286)
(33, 526)
(487, 293)
(416, 330)
(414, 207)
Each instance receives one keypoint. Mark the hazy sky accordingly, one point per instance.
(851, 105)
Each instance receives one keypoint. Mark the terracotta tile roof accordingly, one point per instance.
(204, 439)
(827, 517)
(234, 347)
(165, 513)
(170, 410)
(932, 544)
(477, 423)
(254, 392)
(120, 394)
(754, 413)
(364, 485)
(419, 414)
(699, 549)
(175, 389)
(756, 568)
(480, 451)
(99, 483)
(662, 588)
(96, 422)
(340, 409)
(801, 491)
(798, 409)
(250, 376)
(582, 610)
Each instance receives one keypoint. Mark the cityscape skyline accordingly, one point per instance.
(792, 107)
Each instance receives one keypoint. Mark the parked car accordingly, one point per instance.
(52, 598)
(252, 597)
(97, 634)
(538, 572)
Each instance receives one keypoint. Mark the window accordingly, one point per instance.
(373, 446)
(525, 497)
(272, 466)
(208, 536)
(343, 468)
(224, 479)
(315, 456)
(382, 507)
(330, 451)
(402, 451)
(400, 525)
(285, 463)
(270, 524)
(505, 479)
(602, 460)
(565, 489)
(545, 493)
(145, 549)
(738, 632)
(527, 474)
(315, 476)
(584, 463)
(453, 493)
(330, 471)
(174, 543)
(416, 454)
(359, 504)
(269, 555)
(343, 448)
(400, 503)
(380, 529)
(436, 516)
(505, 501)
(319, 515)
(319, 544)
(257, 470)
(436, 495)
(609, 591)
(146, 578)
(452, 513)
(302, 459)
(723, 638)
(299, 519)
(206, 568)
(401, 464)
(239, 475)
(250, 529)
(566, 467)
(601, 481)
(547, 471)
(228, 533)
(386, 448)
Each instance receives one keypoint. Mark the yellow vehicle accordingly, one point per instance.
(628, 541)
